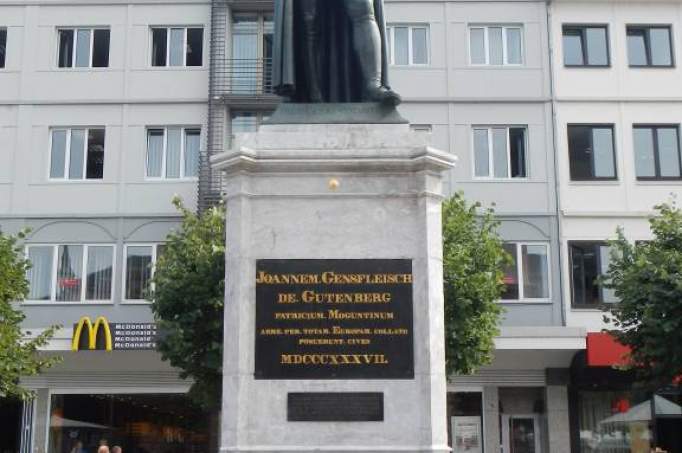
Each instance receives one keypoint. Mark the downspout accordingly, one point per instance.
(555, 153)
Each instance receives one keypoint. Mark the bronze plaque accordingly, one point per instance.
(335, 407)
(334, 319)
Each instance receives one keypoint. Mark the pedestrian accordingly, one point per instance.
(103, 446)
(116, 449)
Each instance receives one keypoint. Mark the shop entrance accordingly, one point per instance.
(521, 433)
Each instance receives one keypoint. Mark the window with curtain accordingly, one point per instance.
(57, 271)
(173, 152)
(527, 277)
(499, 152)
(139, 268)
(83, 47)
(177, 46)
(408, 44)
(77, 153)
(251, 62)
(496, 45)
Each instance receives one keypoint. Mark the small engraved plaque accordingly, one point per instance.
(335, 407)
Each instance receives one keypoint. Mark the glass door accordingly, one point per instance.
(521, 434)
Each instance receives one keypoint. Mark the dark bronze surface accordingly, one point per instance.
(335, 407)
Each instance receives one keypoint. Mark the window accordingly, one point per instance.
(527, 277)
(408, 44)
(657, 152)
(77, 153)
(173, 152)
(139, 266)
(495, 45)
(251, 63)
(586, 45)
(177, 46)
(649, 46)
(83, 48)
(56, 272)
(245, 121)
(3, 46)
(589, 260)
(591, 152)
(500, 152)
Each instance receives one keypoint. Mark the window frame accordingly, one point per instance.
(520, 274)
(4, 30)
(168, 66)
(491, 164)
(647, 44)
(75, 29)
(657, 165)
(612, 126)
(390, 30)
(600, 303)
(582, 27)
(486, 44)
(67, 153)
(163, 177)
(84, 266)
(124, 268)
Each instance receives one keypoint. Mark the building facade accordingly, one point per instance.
(564, 114)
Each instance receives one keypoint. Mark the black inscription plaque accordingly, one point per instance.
(335, 407)
(334, 319)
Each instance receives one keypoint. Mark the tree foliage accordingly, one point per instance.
(19, 356)
(187, 301)
(473, 263)
(647, 279)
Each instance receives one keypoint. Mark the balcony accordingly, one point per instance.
(244, 80)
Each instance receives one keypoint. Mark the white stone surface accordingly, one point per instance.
(280, 205)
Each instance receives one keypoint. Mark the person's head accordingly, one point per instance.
(103, 443)
(116, 449)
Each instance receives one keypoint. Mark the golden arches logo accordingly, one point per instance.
(93, 330)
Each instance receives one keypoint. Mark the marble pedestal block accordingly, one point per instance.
(333, 192)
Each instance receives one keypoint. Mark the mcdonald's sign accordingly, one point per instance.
(99, 328)
(102, 335)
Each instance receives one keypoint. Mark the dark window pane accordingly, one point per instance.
(3, 46)
(573, 47)
(155, 139)
(637, 47)
(159, 46)
(517, 152)
(100, 49)
(65, 59)
(195, 43)
(597, 49)
(95, 162)
(659, 41)
(584, 272)
(511, 278)
(580, 151)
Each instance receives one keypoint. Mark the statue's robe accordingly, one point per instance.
(340, 76)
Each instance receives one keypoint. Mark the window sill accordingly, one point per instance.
(71, 181)
(172, 68)
(503, 180)
(595, 182)
(658, 182)
(135, 302)
(50, 303)
(650, 67)
(527, 302)
(107, 69)
(566, 66)
(192, 179)
(497, 66)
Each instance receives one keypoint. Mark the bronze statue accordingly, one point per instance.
(331, 51)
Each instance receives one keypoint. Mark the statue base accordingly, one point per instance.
(336, 113)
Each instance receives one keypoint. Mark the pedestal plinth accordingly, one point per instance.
(334, 300)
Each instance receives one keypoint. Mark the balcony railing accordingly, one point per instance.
(244, 77)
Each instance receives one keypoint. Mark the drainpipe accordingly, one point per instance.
(555, 153)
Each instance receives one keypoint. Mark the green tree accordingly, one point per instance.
(647, 279)
(187, 301)
(473, 263)
(19, 356)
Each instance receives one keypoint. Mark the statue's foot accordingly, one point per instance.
(383, 95)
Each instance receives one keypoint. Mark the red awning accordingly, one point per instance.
(604, 350)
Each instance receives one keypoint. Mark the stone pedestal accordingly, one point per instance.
(333, 192)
